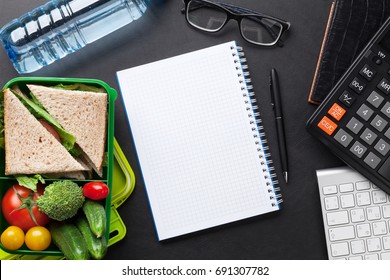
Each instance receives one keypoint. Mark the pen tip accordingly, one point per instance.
(285, 177)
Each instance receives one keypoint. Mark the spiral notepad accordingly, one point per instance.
(199, 140)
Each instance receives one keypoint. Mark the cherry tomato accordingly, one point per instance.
(96, 190)
(23, 217)
(49, 128)
(38, 238)
(12, 238)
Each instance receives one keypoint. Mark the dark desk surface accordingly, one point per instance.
(294, 233)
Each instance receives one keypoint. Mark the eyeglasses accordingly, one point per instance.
(256, 28)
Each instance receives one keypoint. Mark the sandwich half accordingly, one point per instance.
(81, 113)
(29, 147)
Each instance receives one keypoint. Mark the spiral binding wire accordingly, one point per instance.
(257, 127)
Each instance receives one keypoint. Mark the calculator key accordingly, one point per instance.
(343, 138)
(377, 60)
(382, 147)
(355, 126)
(368, 136)
(375, 99)
(367, 72)
(384, 86)
(386, 109)
(384, 170)
(357, 85)
(347, 98)
(336, 111)
(372, 160)
(327, 125)
(379, 123)
(358, 149)
(365, 112)
(387, 133)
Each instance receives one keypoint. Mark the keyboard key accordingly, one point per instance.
(385, 169)
(384, 86)
(357, 85)
(355, 126)
(367, 72)
(347, 201)
(386, 211)
(356, 258)
(386, 242)
(385, 256)
(336, 111)
(363, 230)
(373, 244)
(382, 147)
(358, 149)
(373, 213)
(379, 197)
(368, 136)
(341, 233)
(346, 187)
(371, 257)
(365, 112)
(358, 247)
(329, 190)
(363, 185)
(339, 249)
(343, 138)
(379, 123)
(386, 109)
(327, 125)
(347, 98)
(372, 160)
(331, 203)
(357, 215)
(379, 228)
(337, 218)
(375, 99)
(363, 198)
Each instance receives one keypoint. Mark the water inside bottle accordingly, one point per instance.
(60, 27)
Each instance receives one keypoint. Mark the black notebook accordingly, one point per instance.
(199, 140)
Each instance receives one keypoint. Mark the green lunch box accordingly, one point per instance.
(116, 167)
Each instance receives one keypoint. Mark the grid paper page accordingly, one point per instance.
(194, 141)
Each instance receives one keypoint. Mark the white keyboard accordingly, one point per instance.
(356, 215)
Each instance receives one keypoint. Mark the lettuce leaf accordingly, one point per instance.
(30, 182)
(79, 86)
(1, 120)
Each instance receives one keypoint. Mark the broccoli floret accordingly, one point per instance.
(61, 200)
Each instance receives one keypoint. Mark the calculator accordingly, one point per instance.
(354, 119)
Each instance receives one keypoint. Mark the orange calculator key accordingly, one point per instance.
(327, 125)
(337, 111)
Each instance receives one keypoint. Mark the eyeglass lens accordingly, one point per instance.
(256, 29)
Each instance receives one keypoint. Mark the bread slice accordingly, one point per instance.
(81, 113)
(29, 147)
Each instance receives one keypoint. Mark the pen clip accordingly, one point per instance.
(272, 92)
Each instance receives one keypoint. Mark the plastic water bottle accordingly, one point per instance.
(60, 27)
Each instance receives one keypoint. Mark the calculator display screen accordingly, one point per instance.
(385, 43)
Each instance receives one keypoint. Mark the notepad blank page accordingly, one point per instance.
(194, 141)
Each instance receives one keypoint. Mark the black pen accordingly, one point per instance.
(277, 107)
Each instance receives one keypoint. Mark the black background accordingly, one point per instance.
(296, 232)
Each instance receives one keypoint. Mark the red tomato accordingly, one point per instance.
(96, 190)
(21, 217)
(49, 128)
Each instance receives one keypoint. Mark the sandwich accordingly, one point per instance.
(29, 147)
(55, 131)
(81, 113)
